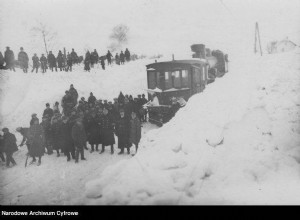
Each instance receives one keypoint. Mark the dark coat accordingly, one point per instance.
(57, 137)
(74, 94)
(93, 130)
(135, 131)
(109, 56)
(66, 132)
(60, 60)
(79, 135)
(10, 143)
(24, 132)
(127, 55)
(43, 61)
(23, 59)
(32, 121)
(74, 56)
(107, 130)
(1, 59)
(52, 60)
(9, 57)
(35, 62)
(36, 141)
(122, 131)
(1, 144)
(49, 112)
(47, 130)
(122, 57)
(92, 99)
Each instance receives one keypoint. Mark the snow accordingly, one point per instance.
(236, 143)
(57, 181)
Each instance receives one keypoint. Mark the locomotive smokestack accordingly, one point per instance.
(199, 50)
(173, 57)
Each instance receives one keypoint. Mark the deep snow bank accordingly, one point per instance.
(236, 143)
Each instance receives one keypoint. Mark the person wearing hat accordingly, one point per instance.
(122, 132)
(46, 125)
(9, 59)
(33, 118)
(43, 61)
(79, 139)
(52, 61)
(67, 103)
(68, 146)
(36, 142)
(107, 131)
(135, 131)
(48, 111)
(60, 60)
(93, 131)
(23, 60)
(121, 98)
(10, 146)
(92, 99)
(74, 94)
(56, 108)
(35, 63)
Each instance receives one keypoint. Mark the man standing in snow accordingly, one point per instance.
(36, 142)
(122, 57)
(108, 57)
(102, 63)
(74, 94)
(92, 99)
(23, 59)
(48, 111)
(60, 60)
(43, 61)
(52, 61)
(79, 138)
(35, 63)
(87, 61)
(122, 132)
(117, 58)
(10, 146)
(107, 131)
(74, 56)
(33, 118)
(135, 131)
(127, 55)
(9, 59)
(69, 62)
(68, 145)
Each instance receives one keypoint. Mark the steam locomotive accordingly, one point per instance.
(172, 83)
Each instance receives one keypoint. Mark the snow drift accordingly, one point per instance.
(235, 143)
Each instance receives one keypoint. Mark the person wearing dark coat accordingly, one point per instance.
(33, 118)
(107, 131)
(94, 58)
(36, 140)
(1, 61)
(9, 59)
(135, 131)
(67, 103)
(102, 63)
(23, 60)
(122, 132)
(48, 111)
(108, 57)
(60, 60)
(121, 98)
(68, 145)
(74, 94)
(43, 61)
(79, 139)
(117, 58)
(87, 61)
(2, 148)
(10, 146)
(24, 133)
(35, 63)
(93, 131)
(47, 133)
(74, 56)
(127, 55)
(57, 138)
(52, 61)
(122, 58)
(69, 62)
(92, 99)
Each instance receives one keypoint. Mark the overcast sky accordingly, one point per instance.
(156, 26)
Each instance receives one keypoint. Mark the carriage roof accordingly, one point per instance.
(176, 64)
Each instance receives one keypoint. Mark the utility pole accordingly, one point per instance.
(257, 35)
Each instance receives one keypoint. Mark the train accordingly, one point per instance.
(175, 81)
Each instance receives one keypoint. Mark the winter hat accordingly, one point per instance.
(5, 130)
(34, 114)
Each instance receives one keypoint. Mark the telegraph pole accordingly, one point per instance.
(257, 35)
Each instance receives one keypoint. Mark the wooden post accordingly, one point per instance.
(257, 35)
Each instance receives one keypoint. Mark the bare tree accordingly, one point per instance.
(119, 37)
(48, 36)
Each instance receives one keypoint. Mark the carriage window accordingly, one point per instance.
(197, 76)
(185, 78)
(168, 80)
(152, 80)
(176, 79)
(203, 73)
(158, 75)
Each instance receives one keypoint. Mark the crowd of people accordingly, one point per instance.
(69, 130)
(63, 62)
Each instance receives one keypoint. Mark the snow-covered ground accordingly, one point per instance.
(238, 142)
(57, 181)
